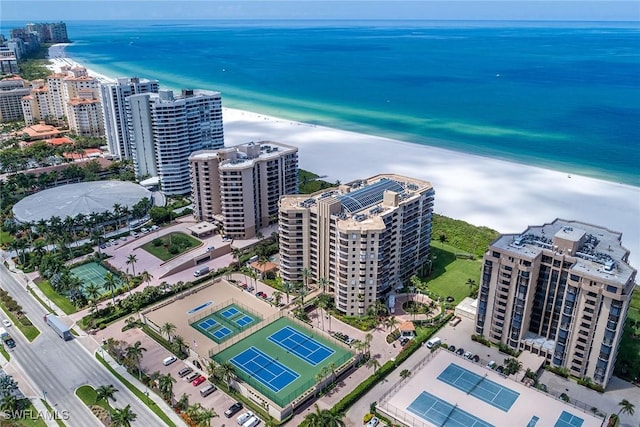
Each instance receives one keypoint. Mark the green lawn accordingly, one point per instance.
(5, 238)
(628, 361)
(450, 274)
(4, 352)
(59, 300)
(88, 395)
(30, 332)
(26, 421)
(171, 245)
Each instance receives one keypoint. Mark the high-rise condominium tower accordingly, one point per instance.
(240, 186)
(114, 103)
(560, 290)
(362, 239)
(165, 129)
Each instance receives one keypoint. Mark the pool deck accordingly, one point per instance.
(530, 403)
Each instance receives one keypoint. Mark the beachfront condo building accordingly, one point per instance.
(12, 90)
(165, 129)
(365, 239)
(69, 97)
(560, 290)
(114, 101)
(239, 187)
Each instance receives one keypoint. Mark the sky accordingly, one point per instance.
(566, 10)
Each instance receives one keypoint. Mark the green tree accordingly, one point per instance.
(324, 418)
(165, 384)
(626, 407)
(168, 328)
(123, 417)
(110, 284)
(131, 261)
(133, 355)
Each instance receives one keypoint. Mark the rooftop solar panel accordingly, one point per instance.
(369, 195)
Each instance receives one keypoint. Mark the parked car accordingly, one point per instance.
(460, 351)
(404, 341)
(452, 348)
(10, 343)
(199, 380)
(233, 409)
(244, 417)
(373, 422)
(492, 365)
(468, 355)
(475, 358)
(192, 376)
(184, 372)
(6, 322)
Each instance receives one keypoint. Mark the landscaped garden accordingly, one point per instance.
(170, 245)
(628, 362)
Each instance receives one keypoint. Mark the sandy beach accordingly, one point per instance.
(502, 195)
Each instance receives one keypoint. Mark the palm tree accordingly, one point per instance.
(133, 354)
(324, 418)
(277, 298)
(105, 392)
(367, 342)
(324, 283)
(146, 277)
(323, 304)
(168, 328)
(183, 402)
(110, 284)
(306, 275)
(227, 372)
(287, 287)
(131, 260)
(9, 403)
(178, 344)
(204, 416)
(165, 384)
(373, 363)
(390, 323)
(93, 292)
(626, 407)
(123, 417)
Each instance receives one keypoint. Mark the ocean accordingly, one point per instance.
(563, 96)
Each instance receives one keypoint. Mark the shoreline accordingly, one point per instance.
(499, 194)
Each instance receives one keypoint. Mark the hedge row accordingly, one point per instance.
(362, 388)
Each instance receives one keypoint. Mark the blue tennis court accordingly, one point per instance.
(222, 333)
(479, 387)
(230, 312)
(208, 324)
(568, 420)
(441, 413)
(244, 321)
(303, 346)
(264, 368)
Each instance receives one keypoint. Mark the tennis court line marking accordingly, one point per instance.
(294, 349)
(491, 395)
(257, 354)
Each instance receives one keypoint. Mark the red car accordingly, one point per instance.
(199, 380)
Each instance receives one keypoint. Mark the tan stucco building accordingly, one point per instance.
(560, 290)
(240, 186)
(364, 238)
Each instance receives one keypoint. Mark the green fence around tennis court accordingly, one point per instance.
(309, 375)
(229, 323)
(92, 272)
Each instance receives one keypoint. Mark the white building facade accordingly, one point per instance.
(165, 129)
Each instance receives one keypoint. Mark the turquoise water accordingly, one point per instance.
(555, 95)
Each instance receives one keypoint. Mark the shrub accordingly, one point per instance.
(482, 340)
(367, 417)
(563, 372)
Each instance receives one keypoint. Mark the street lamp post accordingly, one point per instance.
(44, 395)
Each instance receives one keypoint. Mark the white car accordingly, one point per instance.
(244, 417)
(373, 422)
(7, 322)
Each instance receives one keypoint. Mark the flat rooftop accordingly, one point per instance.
(600, 254)
(434, 396)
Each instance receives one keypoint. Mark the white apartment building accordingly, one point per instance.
(560, 290)
(366, 238)
(165, 129)
(240, 186)
(85, 116)
(114, 99)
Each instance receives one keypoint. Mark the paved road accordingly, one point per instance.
(58, 367)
